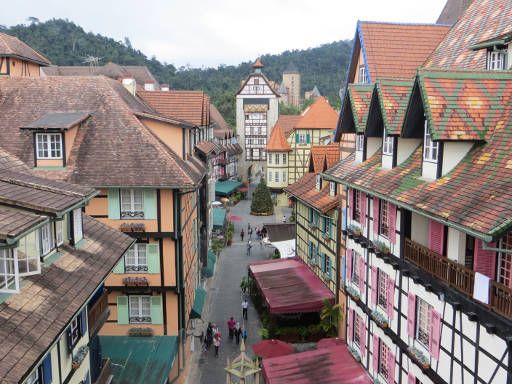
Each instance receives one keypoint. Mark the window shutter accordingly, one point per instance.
(411, 379)
(392, 222)
(344, 219)
(349, 264)
(328, 268)
(156, 310)
(70, 342)
(375, 356)
(350, 325)
(308, 138)
(411, 314)
(435, 334)
(362, 209)
(47, 369)
(310, 249)
(436, 236)
(296, 138)
(119, 268)
(362, 276)
(391, 297)
(391, 368)
(122, 310)
(153, 256)
(374, 285)
(375, 217)
(150, 204)
(344, 270)
(113, 204)
(485, 261)
(362, 337)
(351, 203)
(83, 322)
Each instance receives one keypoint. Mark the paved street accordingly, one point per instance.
(224, 297)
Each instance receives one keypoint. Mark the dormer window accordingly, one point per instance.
(497, 60)
(49, 145)
(332, 188)
(360, 143)
(9, 276)
(430, 148)
(318, 182)
(363, 76)
(387, 144)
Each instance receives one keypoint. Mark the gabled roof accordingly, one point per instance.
(288, 123)
(191, 106)
(271, 84)
(11, 46)
(221, 127)
(112, 149)
(277, 141)
(481, 21)
(355, 110)
(323, 157)
(452, 11)
(305, 190)
(319, 115)
(388, 105)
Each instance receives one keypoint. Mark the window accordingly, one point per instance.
(140, 309)
(284, 158)
(276, 174)
(318, 183)
(59, 232)
(360, 143)
(302, 138)
(45, 234)
(284, 176)
(256, 154)
(387, 144)
(383, 359)
(132, 203)
(136, 258)
(256, 81)
(49, 145)
(357, 336)
(277, 158)
(9, 278)
(430, 148)
(497, 60)
(383, 218)
(382, 291)
(356, 201)
(270, 158)
(332, 188)
(77, 225)
(74, 331)
(355, 267)
(29, 261)
(423, 318)
(34, 378)
(505, 276)
(327, 226)
(363, 76)
(270, 176)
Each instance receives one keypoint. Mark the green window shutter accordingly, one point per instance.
(156, 310)
(308, 138)
(153, 255)
(150, 204)
(113, 204)
(328, 266)
(119, 268)
(122, 310)
(296, 138)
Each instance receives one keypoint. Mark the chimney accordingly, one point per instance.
(149, 86)
(130, 85)
(164, 87)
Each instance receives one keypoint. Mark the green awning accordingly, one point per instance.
(219, 217)
(140, 359)
(210, 264)
(197, 308)
(226, 188)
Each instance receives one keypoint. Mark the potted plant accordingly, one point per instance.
(354, 232)
(354, 353)
(352, 293)
(381, 249)
(379, 319)
(421, 359)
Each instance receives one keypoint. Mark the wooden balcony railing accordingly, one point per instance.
(501, 299)
(106, 372)
(98, 313)
(449, 271)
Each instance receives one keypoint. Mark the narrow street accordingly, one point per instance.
(224, 296)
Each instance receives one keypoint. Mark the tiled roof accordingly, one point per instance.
(12, 46)
(391, 98)
(481, 21)
(395, 51)
(323, 155)
(208, 147)
(221, 128)
(318, 115)
(277, 141)
(465, 105)
(31, 320)
(288, 123)
(304, 190)
(58, 120)
(13, 223)
(113, 148)
(191, 106)
(359, 97)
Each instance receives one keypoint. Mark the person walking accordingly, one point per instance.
(245, 305)
(250, 233)
(209, 336)
(231, 327)
(242, 234)
(249, 246)
(284, 218)
(238, 332)
(243, 333)
(216, 342)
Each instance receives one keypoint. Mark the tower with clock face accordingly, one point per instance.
(257, 110)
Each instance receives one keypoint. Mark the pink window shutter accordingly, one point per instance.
(392, 222)
(391, 297)
(435, 334)
(350, 325)
(362, 276)
(362, 208)
(485, 261)
(349, 264)
(411, 379)
(375, 216)
(391, 368)
(362, 337)
(351, 203)
(411, 314)
(374, 285)
(375, 357)
(436, 236)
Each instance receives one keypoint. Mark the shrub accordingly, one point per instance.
(261, 200)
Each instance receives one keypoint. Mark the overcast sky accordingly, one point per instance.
(212, 32)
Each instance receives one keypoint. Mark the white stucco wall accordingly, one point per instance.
(419, 229)
(372, 145)
(405, 148)
(453, 153)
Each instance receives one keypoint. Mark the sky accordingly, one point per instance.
(208, 33)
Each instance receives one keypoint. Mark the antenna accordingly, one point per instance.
(93, 61)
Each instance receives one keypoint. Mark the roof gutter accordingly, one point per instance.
(14, 240)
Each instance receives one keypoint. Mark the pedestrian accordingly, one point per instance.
(245, 305)
(250, 233)
(209, 336)
(216, 342)
(231, 327)
(284, 218)
(248, 226)
(238, 332)
(249, 246)
(243, 333)
(242, 234)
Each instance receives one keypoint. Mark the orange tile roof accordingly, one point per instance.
(12, 46)
(288, 123)
(305, 190)
(395, 51)
(277, 141)
(191, 106)
(319, 115)
(323, 154)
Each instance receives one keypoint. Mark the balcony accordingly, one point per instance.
(106, 372)
(98, 313)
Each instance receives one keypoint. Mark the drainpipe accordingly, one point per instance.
(178, 244)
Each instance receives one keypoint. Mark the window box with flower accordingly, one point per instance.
(419, 357)
(380, 319)
(381, 249)
(355, 353)
(353, 293)
(354, 232)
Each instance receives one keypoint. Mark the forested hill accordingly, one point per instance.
(65, 43)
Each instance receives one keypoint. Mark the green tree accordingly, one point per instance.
(261, 200)
(329, 317)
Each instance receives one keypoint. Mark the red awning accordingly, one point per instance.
(289, 286)
(333, 365)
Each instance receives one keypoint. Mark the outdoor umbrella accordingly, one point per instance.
(236, 218)
(329, 342)
(272, 348)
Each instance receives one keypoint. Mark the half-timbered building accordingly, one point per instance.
(17, 59)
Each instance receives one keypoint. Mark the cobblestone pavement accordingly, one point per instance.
(224, 297)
